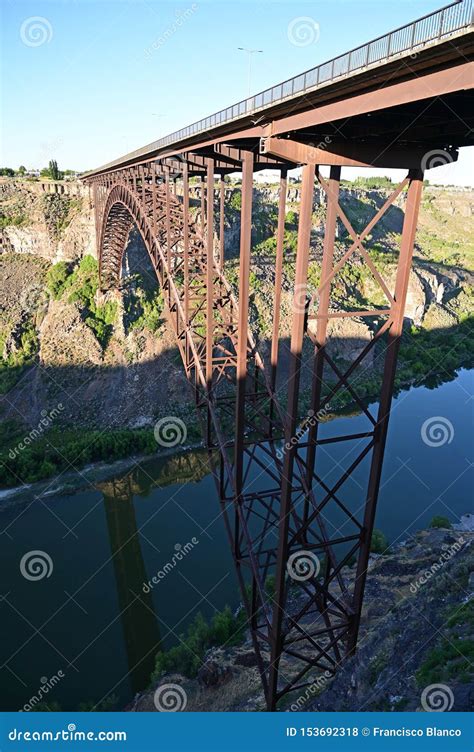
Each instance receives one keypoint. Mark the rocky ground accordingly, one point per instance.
(416, 631)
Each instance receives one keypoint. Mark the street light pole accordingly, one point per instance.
(249, 68)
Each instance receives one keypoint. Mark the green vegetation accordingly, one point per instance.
(144, 308)
(58, 211)
(440, 521)
(187, 657)
(52, 171)
(452, 658)
(12, 366)
(56, 278)
(60, 450)
(80, 284)
(379, 542)
(236, 200)
(373, 183)
(17, 219)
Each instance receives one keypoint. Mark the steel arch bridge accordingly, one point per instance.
(417, 91)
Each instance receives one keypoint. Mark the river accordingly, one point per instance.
(84, 628)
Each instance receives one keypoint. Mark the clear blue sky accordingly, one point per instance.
(102, 83)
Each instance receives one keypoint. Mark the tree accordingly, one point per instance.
(54, 172)
(7, 172)
(21, 170)
(379, 542)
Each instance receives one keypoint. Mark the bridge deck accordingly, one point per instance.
(437, 41)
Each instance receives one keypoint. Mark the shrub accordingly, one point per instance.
(187, 657)
(379, 542)
(56, 279)
(440, 521)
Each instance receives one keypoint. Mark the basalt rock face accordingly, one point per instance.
(57, 226)
(416, 631)
(43, 226)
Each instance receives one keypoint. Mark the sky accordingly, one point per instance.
(86, 81)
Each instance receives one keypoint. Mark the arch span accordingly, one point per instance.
(121, 212)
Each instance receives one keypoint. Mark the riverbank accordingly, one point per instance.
(47, 458)
(416, 631)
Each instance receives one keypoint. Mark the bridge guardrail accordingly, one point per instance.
(413, 36)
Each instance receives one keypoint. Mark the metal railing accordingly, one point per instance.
(432, 28)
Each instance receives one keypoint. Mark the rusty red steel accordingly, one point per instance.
(290, 500)
(261, 428)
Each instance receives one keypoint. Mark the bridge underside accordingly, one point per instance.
(293, 529)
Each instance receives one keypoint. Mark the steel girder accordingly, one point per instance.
(291, 561)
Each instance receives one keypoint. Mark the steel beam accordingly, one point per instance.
(222, 223)
(209, 286)
(347, 154)
(242, 342)
(278, 278)
(380, 432)
(321, 331)
(297, 334)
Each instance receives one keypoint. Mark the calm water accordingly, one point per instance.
(85, 619)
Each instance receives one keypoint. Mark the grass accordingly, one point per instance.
(453, 657)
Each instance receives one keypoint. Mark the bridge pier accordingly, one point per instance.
(275, 501)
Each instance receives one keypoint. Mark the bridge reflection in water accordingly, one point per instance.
(139, 622)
